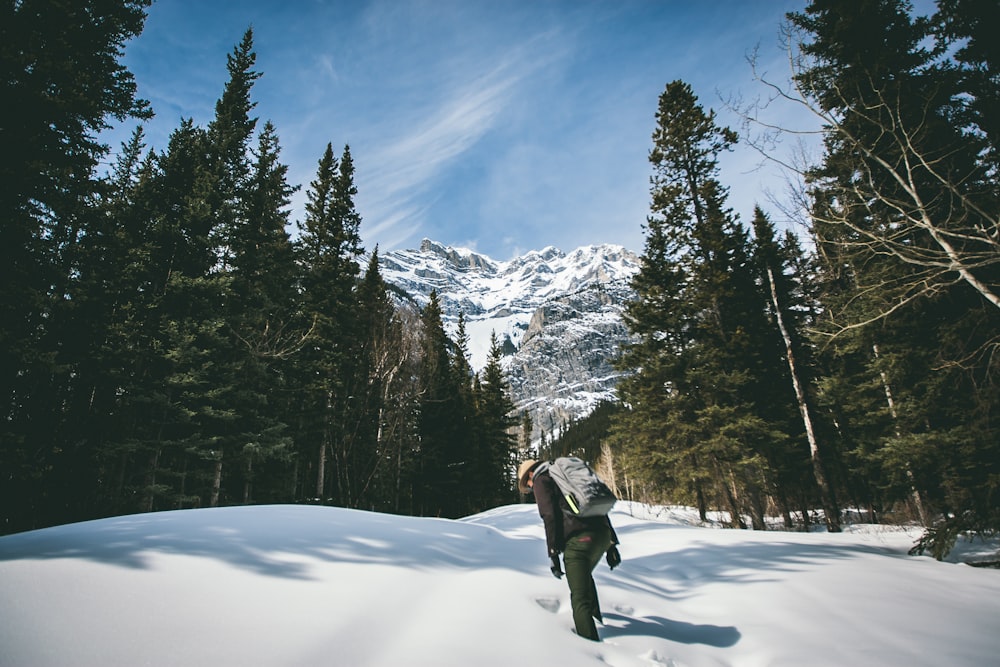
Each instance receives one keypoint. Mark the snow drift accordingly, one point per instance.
(298, 585)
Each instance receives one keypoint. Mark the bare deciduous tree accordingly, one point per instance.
(908, 199)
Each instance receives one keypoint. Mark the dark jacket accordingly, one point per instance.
(560, 525)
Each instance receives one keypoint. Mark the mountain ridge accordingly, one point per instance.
(560, 313)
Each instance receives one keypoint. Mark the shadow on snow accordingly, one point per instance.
(617, 625)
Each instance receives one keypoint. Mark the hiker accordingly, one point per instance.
(581, 540)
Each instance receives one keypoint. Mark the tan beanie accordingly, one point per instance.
(522, 475)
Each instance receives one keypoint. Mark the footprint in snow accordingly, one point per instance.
(658, 660)
(548, 604)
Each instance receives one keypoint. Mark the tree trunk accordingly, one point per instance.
(606, 469)
(183, 485)
(247, 485)
(914, 492)
(729, 487)
(321, 471)
(786, 514)
(757, 520)
(819, 469)
(216, 481)
(699, 493)
(154, 462)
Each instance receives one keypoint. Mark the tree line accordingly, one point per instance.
(167, 343)
(862, 371)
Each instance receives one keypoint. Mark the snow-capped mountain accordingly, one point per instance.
(558, 316)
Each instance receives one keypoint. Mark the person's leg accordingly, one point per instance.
(583, 552)
(596, 612)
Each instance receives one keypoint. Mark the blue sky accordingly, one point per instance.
(498, 125)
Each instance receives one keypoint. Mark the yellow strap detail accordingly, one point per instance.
(572, 504)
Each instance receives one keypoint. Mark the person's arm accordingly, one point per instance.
(613, 558)
(545, 490)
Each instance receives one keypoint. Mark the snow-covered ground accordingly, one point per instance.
(298, 585)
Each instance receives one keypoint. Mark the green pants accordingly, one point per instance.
(583, 553)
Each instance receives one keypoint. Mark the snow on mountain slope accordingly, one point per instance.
(309, 586)
(561, 314)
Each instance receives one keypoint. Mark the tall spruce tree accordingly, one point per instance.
(230, 134)
(705, 353)
(380, 389)
(328, 248)
(240, 429)
(187, 394)
(906, 179)
(467, 444)
(178, 325)
(495, 420)
(262, 314)
(62, 80)
(442, 463)
(790, 297)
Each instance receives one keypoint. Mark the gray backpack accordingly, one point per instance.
(585, 493)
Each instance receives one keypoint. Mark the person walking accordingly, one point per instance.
(581, 541)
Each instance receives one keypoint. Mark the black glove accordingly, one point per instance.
(556, 566)
(614, 558)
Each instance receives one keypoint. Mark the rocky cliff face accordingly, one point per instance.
(560, 316)
(564, 365)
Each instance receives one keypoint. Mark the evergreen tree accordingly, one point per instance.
(61, 80)
(790, 299)
(705, 353)
(468, 436)
(905, 189)
(442, 465)
(380, 388)
(965, 28)
(495, 419)
(176, 324)
(328, 248)
(229, 135)
(123, 277)
(900, 205)
(262, 313)
(525, 446)
(188, 395)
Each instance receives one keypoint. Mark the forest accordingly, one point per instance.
(860, 372)
(170, 338)
(168, 344)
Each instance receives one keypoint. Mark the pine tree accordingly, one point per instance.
(775, 264)
(262, 313)
(229, 135)
(236, 427)
(184, 397)
(328, 248)
(966, 29)
(705, 353)
(177, 325)
(380, 420)
(904, 191)
(468, 437)
(61, 80)
(495, 419)
(442, 463)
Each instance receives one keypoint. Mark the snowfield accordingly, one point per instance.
(299, 585)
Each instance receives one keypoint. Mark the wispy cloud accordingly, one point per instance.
(411, 160)
(408, 163)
